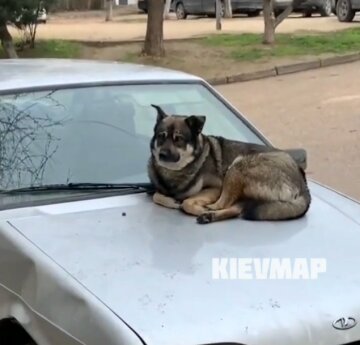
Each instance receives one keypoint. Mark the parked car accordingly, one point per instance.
(86, 257)
(346, 10)
(183, 8)
(143, 5)
(41, 16)
(308, 7)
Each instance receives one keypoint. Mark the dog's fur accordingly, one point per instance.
(214, 178)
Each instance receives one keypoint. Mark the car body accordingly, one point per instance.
(143, 5)
(183, 8)
(307, 7)
(41, 16)
(106, 265)
(346, 10)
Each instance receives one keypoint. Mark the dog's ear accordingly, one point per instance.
(160, 113)
(196, 123)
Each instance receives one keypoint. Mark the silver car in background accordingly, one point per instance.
(183, 8)
(86, 257)
(307, 7)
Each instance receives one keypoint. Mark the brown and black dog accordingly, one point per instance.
(214, 178)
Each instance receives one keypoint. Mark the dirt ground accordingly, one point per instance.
(317, 110)
(189, 56)
(91, 26)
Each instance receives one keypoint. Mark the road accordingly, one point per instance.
(318, 110)
(133, 27)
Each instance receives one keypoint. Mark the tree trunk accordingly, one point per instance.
(269, 25)
(218, 14)
(154, 40)
(108, 10)
(167, 9)
(7, 42)
(228, 9)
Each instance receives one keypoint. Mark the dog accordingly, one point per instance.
(214, 178)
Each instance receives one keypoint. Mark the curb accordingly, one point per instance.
(286, 69)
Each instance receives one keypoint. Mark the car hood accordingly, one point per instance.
(153, 268)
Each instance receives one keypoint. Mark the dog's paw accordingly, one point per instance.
(205, 218)
(166, 201)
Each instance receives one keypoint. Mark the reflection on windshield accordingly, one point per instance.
(96, 134)
(23, 126)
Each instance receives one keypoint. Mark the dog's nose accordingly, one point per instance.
(164, 155)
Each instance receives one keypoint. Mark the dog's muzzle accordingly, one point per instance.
(168, 156)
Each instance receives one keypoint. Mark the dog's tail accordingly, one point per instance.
(277, 210)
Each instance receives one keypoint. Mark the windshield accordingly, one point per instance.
(96, 134)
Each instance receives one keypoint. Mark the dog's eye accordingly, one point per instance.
(161, 136)
(178, 138)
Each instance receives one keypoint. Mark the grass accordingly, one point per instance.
(51, 49)
(207, 57)
(244, 47)
(249, 47)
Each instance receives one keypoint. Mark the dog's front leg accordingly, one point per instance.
(196, 205)
(165, 201)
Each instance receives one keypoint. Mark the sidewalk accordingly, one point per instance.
(133, 27)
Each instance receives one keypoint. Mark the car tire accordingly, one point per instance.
(326, 8)
(344, 11)
(307, 14)
(253, 13)
(180, 11)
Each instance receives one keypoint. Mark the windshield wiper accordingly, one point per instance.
(141, 187)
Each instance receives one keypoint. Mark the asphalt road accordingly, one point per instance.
(318, 110)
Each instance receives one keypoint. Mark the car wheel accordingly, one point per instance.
(325, 10)
(344, 11)
(307, 14)
(180, 11)
(254, 13)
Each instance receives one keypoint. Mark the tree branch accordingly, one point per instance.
(288, 10)
(283, 15)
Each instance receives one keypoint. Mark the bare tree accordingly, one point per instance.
(271, 22)
(7, 42)
(154, 39)
(108, 10)
(228, 9)
(167, 9)
(218, 8)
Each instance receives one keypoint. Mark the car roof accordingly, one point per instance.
(41, 73)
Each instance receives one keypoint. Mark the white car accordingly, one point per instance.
(86, 257)
(42, 16)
